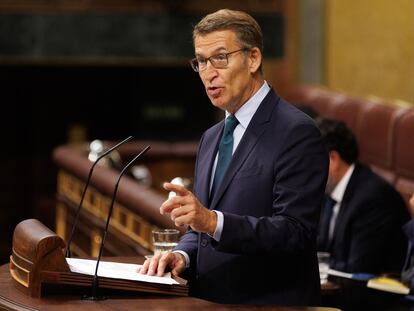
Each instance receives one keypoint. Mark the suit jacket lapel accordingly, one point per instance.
(256, 128)
(349, 191)
(206, 158)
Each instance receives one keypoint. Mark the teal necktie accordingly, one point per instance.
(326, 223)
(225, 152)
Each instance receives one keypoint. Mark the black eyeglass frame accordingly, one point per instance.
(195, 64)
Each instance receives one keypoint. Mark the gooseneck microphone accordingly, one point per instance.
(75, 223)
(95, 281)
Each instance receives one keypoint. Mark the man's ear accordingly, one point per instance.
(255, 59)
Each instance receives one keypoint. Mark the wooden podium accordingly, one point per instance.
(13, 299)
(38, 263)
(38, 260)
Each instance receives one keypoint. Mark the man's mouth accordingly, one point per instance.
(214, 91)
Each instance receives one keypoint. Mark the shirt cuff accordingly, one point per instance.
(219, 228)
(187, 258)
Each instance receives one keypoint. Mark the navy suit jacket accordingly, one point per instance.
(368, 234)
(270, 197)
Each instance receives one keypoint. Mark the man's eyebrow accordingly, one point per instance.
(215, 52)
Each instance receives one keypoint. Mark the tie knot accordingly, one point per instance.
(230, 124)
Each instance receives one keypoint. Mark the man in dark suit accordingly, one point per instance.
(362, 228)
(365, 233)
(255, 206)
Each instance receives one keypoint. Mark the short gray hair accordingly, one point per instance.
(246, 28)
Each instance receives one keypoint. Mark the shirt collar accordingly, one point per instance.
(339, 190)
(246, 111)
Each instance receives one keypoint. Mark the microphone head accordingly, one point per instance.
(97, 149)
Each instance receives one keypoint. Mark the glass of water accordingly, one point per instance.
(165, 240)
(323, 261)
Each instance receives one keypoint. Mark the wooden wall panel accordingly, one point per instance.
(370, 47)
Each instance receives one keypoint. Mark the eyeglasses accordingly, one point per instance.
(218, 61)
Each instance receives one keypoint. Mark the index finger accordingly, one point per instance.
(180, 190)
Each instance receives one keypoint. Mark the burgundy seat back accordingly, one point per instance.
(350, 112)
(324, 102)
(376, 134)
(404, 156)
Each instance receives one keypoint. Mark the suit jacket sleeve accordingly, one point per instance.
(189, 241)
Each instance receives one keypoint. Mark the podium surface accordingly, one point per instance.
(11, 298)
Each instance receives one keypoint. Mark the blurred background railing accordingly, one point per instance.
(140, 194)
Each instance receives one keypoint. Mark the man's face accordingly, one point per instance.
(228, 88)
(330, 184)
(333, 171)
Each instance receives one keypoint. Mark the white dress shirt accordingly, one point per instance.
(338, 195)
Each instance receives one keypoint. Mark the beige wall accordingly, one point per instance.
(370, 47)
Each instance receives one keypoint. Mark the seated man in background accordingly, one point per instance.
(362, 219)
(361, 222)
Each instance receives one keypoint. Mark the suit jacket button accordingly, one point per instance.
(204, 242)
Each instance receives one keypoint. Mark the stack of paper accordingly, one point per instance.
(115, 275)
(388, 285)
(116, 270)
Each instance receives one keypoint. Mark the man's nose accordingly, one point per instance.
(210, 72)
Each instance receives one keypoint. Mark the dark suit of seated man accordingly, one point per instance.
(364, 232)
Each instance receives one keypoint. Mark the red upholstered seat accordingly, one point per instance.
(326, 103)
(404, 155)
(322, 100)
(301, 94)
(350, 112)
(376, 132)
